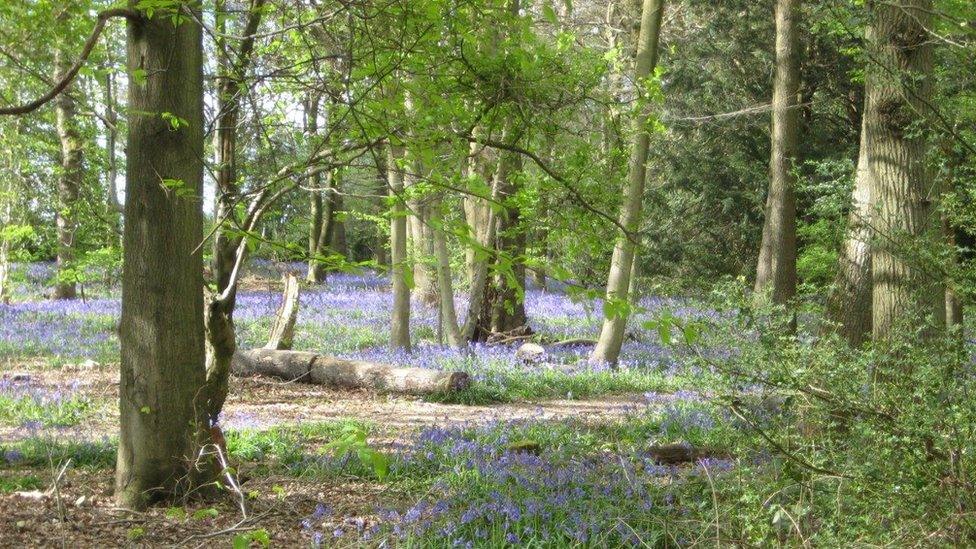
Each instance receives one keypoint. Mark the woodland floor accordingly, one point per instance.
(554, 449)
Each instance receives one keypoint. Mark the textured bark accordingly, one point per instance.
(283, 329)
(849, 303)
(325, 228)
(508, 305)
(445, 285)
(315, 273)
(229, 248)
(904, 194)
(162, 421)
(400, 321)
(111, 138)
(477, 325)
(776, 270)
(6, 216)
(338, 373)
(421, 241)
(70, 180)
(380, 241)
(618, 282)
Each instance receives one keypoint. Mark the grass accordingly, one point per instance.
(34, 410)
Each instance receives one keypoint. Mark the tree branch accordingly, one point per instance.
(65, 81)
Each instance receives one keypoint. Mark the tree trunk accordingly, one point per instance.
(283, 329)
(337, 223)
(618, 283)
(448, 312)
(111, 138)
(776, 271)
(326, 227)
(315, 195)
(508, 305)
(425, 287)
(849, 303)
(162, 419)
(380, 241)
(400, 321)
(69, 182)
(904, 193)
(228, 246)
(339, 373)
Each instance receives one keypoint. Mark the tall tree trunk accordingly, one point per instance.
(849, 303)
(508, 303)
(445, 285)
(618, 283)
(315, 195)
(380, 240)
(904, 195)
(337, 223)
(425, 287)
(162, 419)
(69, 182)
(477, 323)
(400, 321)
(324, 236)
(111, 138)
(228, 246)
(776, 271)
(6, 217)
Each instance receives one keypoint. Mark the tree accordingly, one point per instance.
(904, 195)
(776, 270)
(163, 422)
(618, 283)
(848, 308)
(70, 179)
(400, 321)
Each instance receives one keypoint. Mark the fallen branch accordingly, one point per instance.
(307, 367)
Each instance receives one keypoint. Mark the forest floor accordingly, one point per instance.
(529, 454)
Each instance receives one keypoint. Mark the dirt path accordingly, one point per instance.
(263, 403)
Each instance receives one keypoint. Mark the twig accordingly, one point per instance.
(86, 51)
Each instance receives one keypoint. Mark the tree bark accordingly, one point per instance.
(162, 419)
(339, 373)
(229, 248)
(904, 194)
(848, 308)
(70, 180)
(425, 288)
(400, 321)
(618, 283)
(283, 329)
(508, 305)
(445, 285)
(776, 270)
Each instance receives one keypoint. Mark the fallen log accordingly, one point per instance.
(307, 367)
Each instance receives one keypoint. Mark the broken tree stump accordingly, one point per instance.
(307, 367)
(283, 330)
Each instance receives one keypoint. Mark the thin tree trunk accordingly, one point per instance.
(478, 302)
(445, 285)
(228, 247)
(400, 322)
(612, 334)
(6, 217)
(848, 308)
(425, 287)
(904, 194)
(111, 138)
(380, 241)
(69, 182)
(508, 303)
(163, 421)
(776, 271)
(315, 195)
